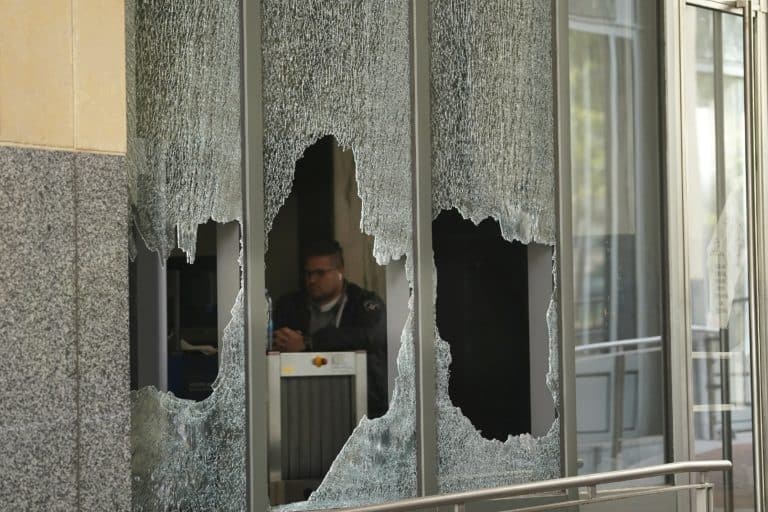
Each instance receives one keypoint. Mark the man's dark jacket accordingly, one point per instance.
(363, 326)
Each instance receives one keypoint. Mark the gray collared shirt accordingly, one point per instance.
(327, 315)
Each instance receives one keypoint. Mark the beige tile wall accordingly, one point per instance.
(62, 74)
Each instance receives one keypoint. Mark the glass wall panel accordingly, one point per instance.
(493, 236)
(717, 248)
(184, 169)
(337, 173)
(616, 235)
(336, 165)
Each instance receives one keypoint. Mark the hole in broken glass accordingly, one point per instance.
(492, 298)
(171, 437)
(334, 312)
(179, 310)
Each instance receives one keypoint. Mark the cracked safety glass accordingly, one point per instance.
(184, 169)
(336, 74)
(493, 237)
(335, 322)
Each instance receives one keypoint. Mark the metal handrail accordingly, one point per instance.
(618, 343)
(458, 499)
(646, 340)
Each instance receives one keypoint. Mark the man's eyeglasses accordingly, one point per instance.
(318, 272)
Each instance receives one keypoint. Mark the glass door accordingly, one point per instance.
(717, 247)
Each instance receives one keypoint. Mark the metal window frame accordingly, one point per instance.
(676, 298)
(564, 248)
(421, 251)
(255, 306)
(760, 358)
(754, 68)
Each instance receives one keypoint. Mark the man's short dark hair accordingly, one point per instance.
(325, 248)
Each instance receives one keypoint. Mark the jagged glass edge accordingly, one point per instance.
(492, 114)
(493, 157)
(183, 156)
(342, 69)
(341, 483)
(189, 455)
(467, 460)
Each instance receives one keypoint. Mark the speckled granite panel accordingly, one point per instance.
(102, 243)
(37, 465)
(38, 385)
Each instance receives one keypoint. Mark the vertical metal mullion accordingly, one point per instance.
(564, 260)
(717, 74)
(421, 190)
(612, 269)
(721, 193)
(761, 123)
(761, 163)
(252, 118)
(753, 236)
(677, 297)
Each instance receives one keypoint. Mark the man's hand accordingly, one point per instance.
(288, 340)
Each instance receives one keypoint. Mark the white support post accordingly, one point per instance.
(151, 318)
(227, 272)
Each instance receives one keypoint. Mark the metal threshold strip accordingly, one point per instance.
(458, 500)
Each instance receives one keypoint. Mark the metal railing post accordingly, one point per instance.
(702, 498)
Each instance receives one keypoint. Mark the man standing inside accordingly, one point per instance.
(332, 314)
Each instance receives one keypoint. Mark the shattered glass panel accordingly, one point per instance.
(341, 68)
(467, 461)
(492, 119)
(493, 156)
(184, 167)
(190, 455)
(378, 462)
(183, 154)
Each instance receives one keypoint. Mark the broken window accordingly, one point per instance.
(493, 164)
(335, 317)
(342, 69)
(184, 168)
(183, 82)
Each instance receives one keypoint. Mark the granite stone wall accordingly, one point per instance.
(64, 367)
